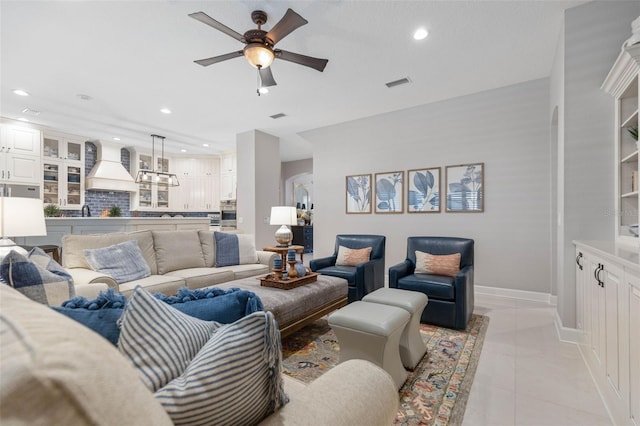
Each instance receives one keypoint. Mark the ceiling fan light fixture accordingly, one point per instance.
(258, 55)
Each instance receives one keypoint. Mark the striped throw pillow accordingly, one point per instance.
(448, 264)
(234, 380)
(160, 340)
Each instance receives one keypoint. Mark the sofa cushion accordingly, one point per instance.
(159, 340)
(447, 264)
(352, 257)
(248, 270)
(234, 249)
(73, 246)
(195, 278)
(54, 371)
(177, 250)
(235, 378)
(166, 284)
(123, 261)
(100, 314)
(37, 276)
(208, 244)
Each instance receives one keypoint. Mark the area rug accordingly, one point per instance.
(435, 393)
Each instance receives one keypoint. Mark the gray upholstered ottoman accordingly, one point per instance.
(412, 348)
(372, 332)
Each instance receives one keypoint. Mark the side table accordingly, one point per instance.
(283, 251)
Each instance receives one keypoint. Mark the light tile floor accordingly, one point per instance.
(526, 376)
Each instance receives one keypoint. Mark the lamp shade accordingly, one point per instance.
(283, 215)
(258, 55)
(21, 217)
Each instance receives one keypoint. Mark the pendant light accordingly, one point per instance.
(157, 177)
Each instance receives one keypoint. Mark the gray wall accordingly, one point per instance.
(507, 129)
(594, 34)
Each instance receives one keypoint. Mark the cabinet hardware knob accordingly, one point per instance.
(578, 260)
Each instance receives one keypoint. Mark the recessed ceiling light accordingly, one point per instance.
(165, 111)
(20, 92)
(115, 138)
(420, 34)
(183, 150)
(263, 90)
(206, 145)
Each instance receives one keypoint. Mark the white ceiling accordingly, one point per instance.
(135, 57)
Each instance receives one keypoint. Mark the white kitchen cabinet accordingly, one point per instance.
(63, 171)
(633, 281)
(228, 177)
(63, 184)
(608, 307)
(198, 190)
(20, 160)
(622, 84)
(153, 195)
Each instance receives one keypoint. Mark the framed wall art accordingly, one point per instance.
(465, 188)
(423, 190)
(389, 192)
(358, 194)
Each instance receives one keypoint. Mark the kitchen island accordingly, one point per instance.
(57, 227)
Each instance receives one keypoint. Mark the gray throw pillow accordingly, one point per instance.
(123, 262)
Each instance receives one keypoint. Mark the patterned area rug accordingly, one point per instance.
(435, 393)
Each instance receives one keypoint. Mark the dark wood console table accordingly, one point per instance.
(303, 236)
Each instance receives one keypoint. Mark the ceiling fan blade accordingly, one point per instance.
(216, 59)
(307, 61)
(289, 22)
(266, 77)
(206, 19)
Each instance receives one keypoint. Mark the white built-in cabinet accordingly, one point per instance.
(199, 187)
(20, 161)
(151, 196)
(622, 84)
(63, 171)
(228, 177)
(608, 319)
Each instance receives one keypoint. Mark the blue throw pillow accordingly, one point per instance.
(227, 249)
(209, 304)
(214, 304)
(101, 314)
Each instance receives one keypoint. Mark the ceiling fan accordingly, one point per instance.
(259, 50)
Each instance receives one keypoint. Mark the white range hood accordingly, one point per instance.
(108, 174)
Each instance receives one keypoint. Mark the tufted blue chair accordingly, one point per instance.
(450, 298)
(363, 278)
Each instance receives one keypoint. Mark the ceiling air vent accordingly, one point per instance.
(398, 82)
(30, 112)
(279, 115)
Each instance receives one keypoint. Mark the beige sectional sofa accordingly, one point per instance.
(175, 259)
(54, 370)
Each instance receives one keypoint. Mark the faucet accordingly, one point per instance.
(88, 210)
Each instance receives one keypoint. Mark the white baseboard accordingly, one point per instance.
(567, 334)
(515, 294)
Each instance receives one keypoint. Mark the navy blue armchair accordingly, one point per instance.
(450, 298)
(363, 278)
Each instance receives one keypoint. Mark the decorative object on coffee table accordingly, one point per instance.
(283, 215)
(282, 251)
(272, 280)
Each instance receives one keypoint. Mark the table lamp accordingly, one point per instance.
(20, 217)
(283, 215)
